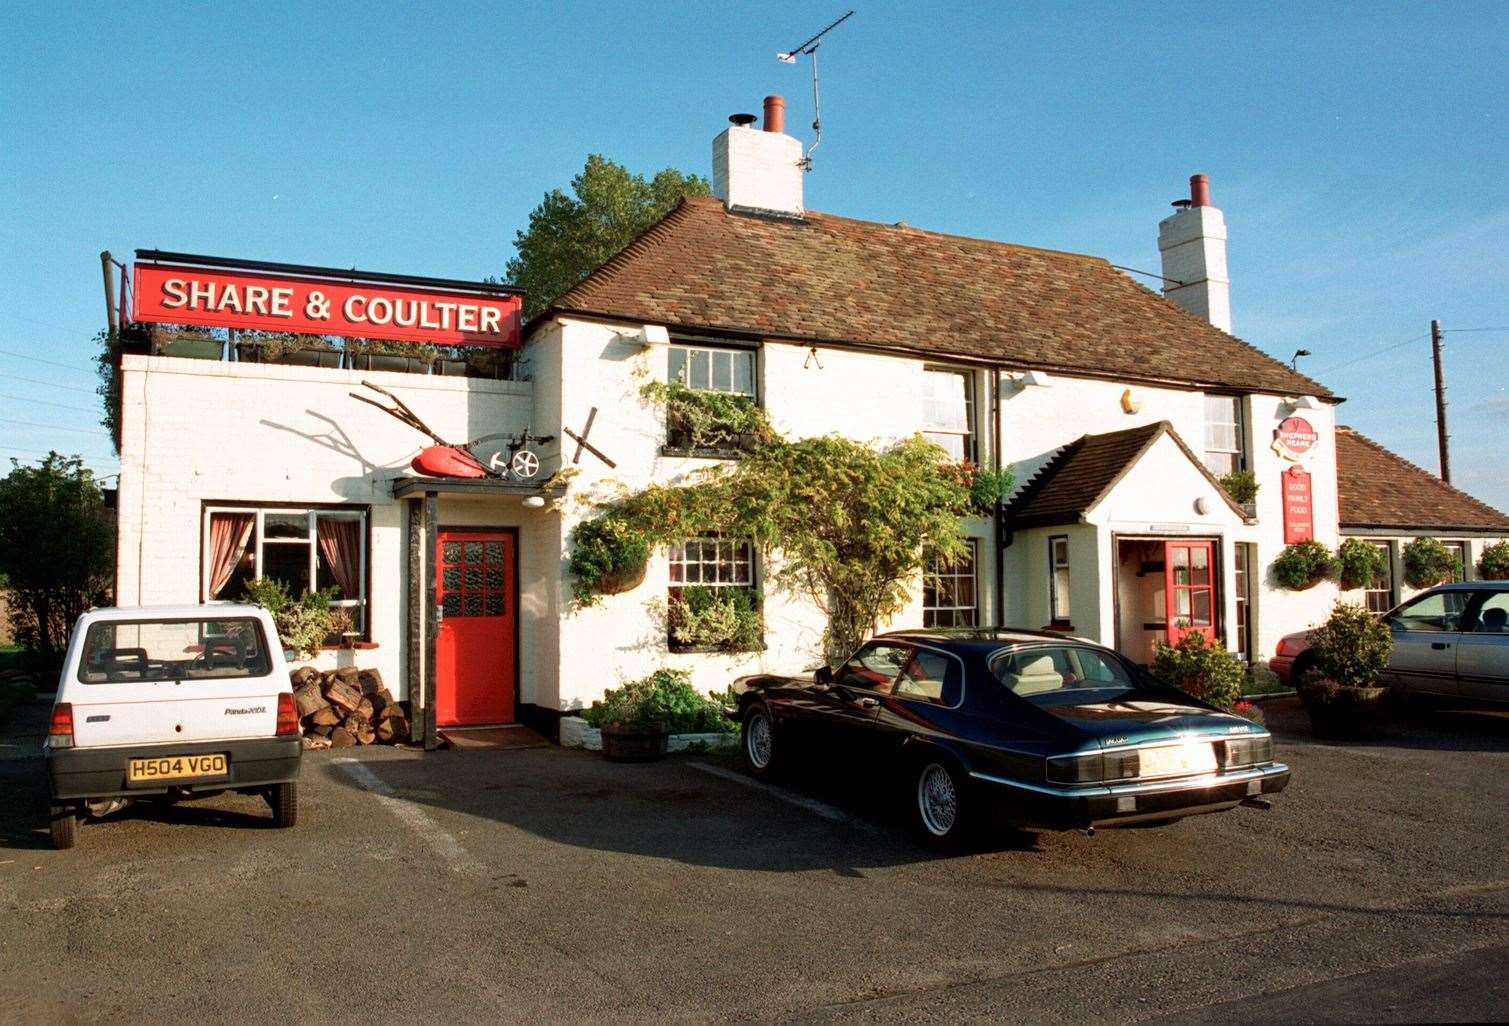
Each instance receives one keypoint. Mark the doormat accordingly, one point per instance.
(515, 735)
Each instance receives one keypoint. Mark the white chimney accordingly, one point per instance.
(759, 171)
(1193, 244)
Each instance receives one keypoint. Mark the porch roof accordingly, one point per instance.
(1086, 470)
(408, 486)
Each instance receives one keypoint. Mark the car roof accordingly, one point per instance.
(983, 639)
(185, 612)
(1470, 586)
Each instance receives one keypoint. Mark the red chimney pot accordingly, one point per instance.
(1199, 190)
(775, 114)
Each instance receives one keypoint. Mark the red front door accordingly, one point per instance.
(1189, 589)
(474, 652)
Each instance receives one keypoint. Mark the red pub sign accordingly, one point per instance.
(1299, 509)
(165, 294)
(1294, 437)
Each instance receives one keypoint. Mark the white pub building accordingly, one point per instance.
(1118, 409)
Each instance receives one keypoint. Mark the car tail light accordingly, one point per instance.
(288, 717)
(1249, 751)
(1077, 769)
(60, 730)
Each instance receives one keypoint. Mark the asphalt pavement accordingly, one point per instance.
(553, 886)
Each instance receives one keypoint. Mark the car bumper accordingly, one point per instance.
(1069, 808)
(101, 772)
(1282, 667)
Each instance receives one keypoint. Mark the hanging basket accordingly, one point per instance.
(616, 582)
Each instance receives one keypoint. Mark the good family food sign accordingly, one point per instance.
(234, 299)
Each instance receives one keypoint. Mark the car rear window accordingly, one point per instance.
(1046, 671)
(126, 651)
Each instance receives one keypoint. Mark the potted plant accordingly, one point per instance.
(609, 555)
(1303, 565)
(1242, 486)
(700, 619)
(1494, 564)
(305, 624)
(1205, 670)
(638, 718)
(702, 421)
(388, 355)
(1359, 563)
(287, 348)
(1343, 696)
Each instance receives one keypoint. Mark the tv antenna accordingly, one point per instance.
(789, 57)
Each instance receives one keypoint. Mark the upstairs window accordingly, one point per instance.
(1224, 451)
(948, 411)
(713, 370)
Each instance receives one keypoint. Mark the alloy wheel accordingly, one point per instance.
(937, 800)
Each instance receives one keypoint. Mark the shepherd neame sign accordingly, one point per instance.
(166, 294)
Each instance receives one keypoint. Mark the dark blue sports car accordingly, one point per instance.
(1044, 731)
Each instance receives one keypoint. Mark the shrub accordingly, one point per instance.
(1352, 647)
(722, 618)
(1250, 711)
(700, 419)
(1494, 566)
(1303, 565)
(1241, 485)
(304, 624)
(606, 546)
(1204, 670)
(1427, 562)
(986, 487)
(666, 697)
(1359, 563)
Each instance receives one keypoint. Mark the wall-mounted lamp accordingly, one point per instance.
(1303, 402)
(651, 335)
(1202, 505)
(1294, 360)
(1014, 383)
(534, 502)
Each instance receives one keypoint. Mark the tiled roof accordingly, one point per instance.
(833, 279)
(1085, 471)
(1378, 488)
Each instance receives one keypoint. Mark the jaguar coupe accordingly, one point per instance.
(1033, 729)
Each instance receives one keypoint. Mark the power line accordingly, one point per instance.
(1376, 352)
(1451, 331)
(44, 402)
(51, 384)
(38, 359)
(52, 427)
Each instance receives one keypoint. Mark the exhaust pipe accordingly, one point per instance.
(1258, 803)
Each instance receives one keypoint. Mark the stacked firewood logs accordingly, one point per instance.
(345, 707)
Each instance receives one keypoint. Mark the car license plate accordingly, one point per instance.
(176, 767)
(1177, 760)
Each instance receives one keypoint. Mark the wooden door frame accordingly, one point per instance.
(1212, 585)
(1218, 571)
(513, 597)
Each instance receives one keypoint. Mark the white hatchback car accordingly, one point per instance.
(171, 703)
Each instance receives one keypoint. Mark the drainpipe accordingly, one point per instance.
(1003, 538)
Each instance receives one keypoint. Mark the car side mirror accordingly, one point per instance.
(823, 675)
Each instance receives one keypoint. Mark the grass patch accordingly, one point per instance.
(1263, 681)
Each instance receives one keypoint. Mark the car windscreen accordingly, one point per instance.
(128, 651)
(1046, 673)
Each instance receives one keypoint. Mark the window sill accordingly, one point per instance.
(702, 454)
(676, 649)
(1058, 627)
(358, 646)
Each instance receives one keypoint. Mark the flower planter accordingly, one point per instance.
(634, 744)
(1345, 714)
(616, 582)
(194, 349)
(577, 733)
(388, 362)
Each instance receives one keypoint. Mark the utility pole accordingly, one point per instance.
(110, 311)
(1436, 346)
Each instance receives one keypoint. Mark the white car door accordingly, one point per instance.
(151, 681)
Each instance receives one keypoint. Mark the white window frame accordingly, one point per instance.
(741, 554)
(1463, 546)
(970, 437)
(363, 619)
(1239, 429)
(966, 569)
(1390, 599)
(1055, 593)
(689, 350)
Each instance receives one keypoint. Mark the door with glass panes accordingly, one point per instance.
(475, 574)
(1189, 589)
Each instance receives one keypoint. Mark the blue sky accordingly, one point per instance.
(1359, 152)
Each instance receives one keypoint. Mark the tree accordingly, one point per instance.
(107, 367)
(569, 237)
(57, 547)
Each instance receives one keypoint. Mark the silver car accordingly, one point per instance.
(1451, 641)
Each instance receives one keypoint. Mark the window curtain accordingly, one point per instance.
(229, 534)
(340, 544)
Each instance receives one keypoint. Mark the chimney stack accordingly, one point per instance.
(1192, 242)
(759, 171)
